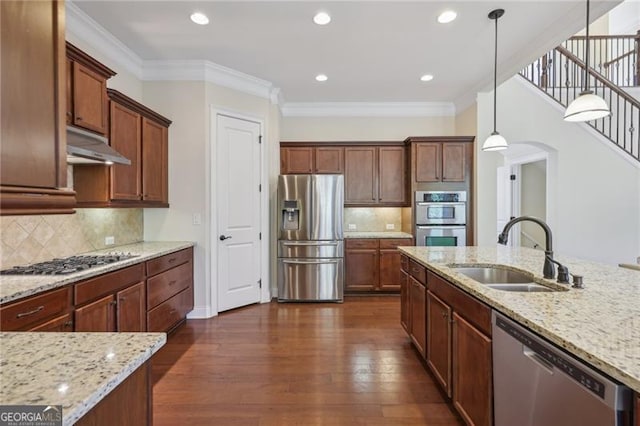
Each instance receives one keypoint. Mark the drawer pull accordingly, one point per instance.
(34, 311)
(173, 311)
(113, 303)
(68, 324)
(172, 282)
(173, 259)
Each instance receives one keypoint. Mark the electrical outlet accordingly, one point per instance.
(197, 219)
(390, 227)
(109, 241)
(352, 227)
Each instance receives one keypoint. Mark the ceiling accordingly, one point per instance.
(371, 51)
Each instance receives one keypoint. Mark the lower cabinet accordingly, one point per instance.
(373, 264)
(439, 321)
(417, 298)
(130, 308)
(49, 311)
(405, 307)
(97, 316)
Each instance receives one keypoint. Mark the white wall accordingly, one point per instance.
(625, 18)
(594, 191)
(364, 128)
(533, 180)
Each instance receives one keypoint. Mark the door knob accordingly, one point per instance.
(224, 237)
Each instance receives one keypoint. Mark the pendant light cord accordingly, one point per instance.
(495, 76)
(586, 58)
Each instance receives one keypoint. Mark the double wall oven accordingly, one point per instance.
(441, 218)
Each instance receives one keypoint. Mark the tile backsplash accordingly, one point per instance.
(376, 219)
(29, 239)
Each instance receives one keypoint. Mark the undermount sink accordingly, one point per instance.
(503, 279)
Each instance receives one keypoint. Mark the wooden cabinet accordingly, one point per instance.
(439, 319)
(45, 312)
(87, 89)
(417, 299)
(440, 162)
(637, 409)
(169, 290)
(459, 349)
(307, 160)
(375, 176)
(32, 69)
(141, 135)
(60, 324)
(112, 302)
(373, 264)
(405, 306)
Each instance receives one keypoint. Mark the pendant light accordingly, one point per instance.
(587, 106)
(495, 142)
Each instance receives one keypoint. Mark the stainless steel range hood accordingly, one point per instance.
(84, 147)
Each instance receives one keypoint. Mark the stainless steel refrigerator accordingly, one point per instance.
(311, 240)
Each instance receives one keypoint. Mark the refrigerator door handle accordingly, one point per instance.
(308, 262)
(309, 243)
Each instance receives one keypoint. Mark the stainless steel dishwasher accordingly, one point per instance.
(537, 384)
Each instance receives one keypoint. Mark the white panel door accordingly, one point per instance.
(238, 201)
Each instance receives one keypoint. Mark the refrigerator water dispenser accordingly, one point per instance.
(290, 215)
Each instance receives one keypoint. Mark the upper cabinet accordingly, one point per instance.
(87, 103)
(33, 152)
(440, 162)
(310, 160)
(141, 135)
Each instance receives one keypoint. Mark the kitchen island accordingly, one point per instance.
(101, 377)
(599, 324)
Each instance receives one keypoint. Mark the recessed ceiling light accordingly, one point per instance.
(426, 77)
(321, 77)
(199, 18)
(447, 16)
(322, 18)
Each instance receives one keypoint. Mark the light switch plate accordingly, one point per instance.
(352, 227)
(390, 226)
(197, 219)
(109, 241)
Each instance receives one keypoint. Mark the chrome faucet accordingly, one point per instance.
(548, 271)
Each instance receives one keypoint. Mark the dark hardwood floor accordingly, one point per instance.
(297, 364)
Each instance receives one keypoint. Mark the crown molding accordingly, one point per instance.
(83, 27)
(368, 109)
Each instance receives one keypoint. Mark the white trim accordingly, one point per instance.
(200, 312)
(83, 27)
(368, 109)
(215, 111)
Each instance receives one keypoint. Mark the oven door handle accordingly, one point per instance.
(439, 203)
(441, 227)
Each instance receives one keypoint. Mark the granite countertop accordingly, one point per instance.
(13, 287)
(599, 324)
(377, 234)
(75, 370)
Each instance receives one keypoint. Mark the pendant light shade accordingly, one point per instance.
(495, 142)
(587, 106)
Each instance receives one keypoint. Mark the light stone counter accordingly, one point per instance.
(13, 287)
(599, 324)
(379, 234)
(75, 370)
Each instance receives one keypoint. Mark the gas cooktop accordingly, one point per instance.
(68, 265)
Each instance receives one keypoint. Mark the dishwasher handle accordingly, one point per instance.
(537, 359)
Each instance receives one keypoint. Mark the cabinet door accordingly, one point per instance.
(361, 267)
(131, 308)
(154, 161)
(97, 316)
(428, 161)
(329, 160)
(125, 137)
(453, 162)
(472, 373)
(32, 102)
(89, 99)
(390, 273)
(60, 324)
(391, 175)
(439, 340)
(296, 161)
(360, 175)
(405, 307)
(417, 299)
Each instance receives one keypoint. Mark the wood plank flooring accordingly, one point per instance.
(297, 364)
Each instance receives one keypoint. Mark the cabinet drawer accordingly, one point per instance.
(466, 306)
(164, 316)
(352, 243)
(168, 261)
(33, 311)
(418, 271)
(167, 284)
(391, 243)
(108, 283)
(58, 324)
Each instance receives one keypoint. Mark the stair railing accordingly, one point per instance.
(613, 56)
(560, 74)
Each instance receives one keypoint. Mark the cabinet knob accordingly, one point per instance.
(68, 324)
(79, 118)
(113, 303)
(444, 314)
